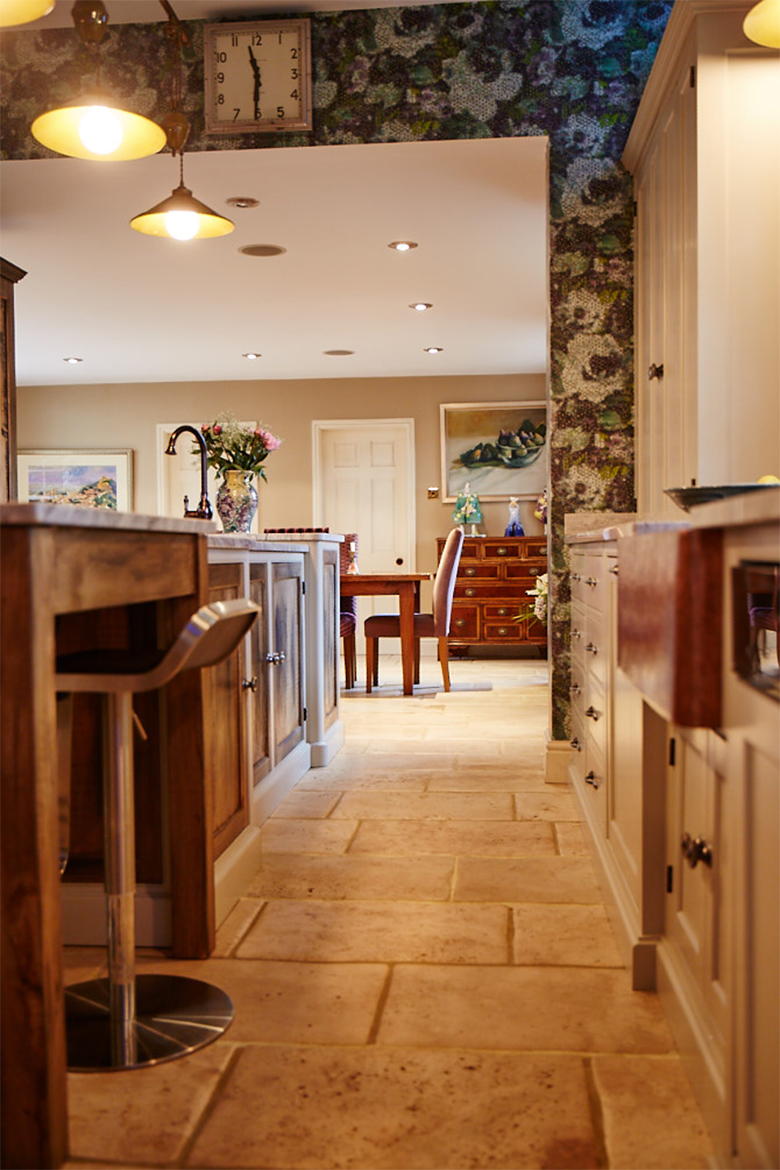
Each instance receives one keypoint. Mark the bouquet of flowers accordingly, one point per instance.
(233, 447)
(539, 607)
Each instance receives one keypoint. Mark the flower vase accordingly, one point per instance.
(237, 501)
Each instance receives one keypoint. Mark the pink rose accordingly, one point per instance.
(217, 429)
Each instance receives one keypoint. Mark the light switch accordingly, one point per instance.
(433, 493)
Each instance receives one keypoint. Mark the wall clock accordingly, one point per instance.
(258, 76)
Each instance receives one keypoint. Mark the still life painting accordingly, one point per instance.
(86, 479)
(499, 447)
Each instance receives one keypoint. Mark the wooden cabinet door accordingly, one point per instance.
(226, 704)
(287, 658)
(331, 637)
(260, 647)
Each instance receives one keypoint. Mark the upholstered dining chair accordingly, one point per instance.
(348, 612)
(426, 625)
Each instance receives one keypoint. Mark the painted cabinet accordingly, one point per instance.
(707, 293)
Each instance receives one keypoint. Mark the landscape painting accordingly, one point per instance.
(84, 479)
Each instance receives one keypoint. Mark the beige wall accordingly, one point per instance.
(126, 415)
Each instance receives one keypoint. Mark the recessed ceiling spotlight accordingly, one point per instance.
(433, 349)
(263, 250)
(252, 357)
(420, 306)
(242, 201)
(338, 352)
(402, 245)
(73, 361)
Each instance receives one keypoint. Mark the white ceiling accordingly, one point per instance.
(136, 308)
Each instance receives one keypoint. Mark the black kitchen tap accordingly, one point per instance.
(203, 510)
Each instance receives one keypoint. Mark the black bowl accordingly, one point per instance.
(688, 497)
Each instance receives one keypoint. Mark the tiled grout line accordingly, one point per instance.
(206, 1112)
(373, 1031)
(596, 1113)
(510, 937)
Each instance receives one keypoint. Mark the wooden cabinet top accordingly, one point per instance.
(501, 548)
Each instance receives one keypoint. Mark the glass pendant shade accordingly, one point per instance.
(23, 11)
(182, 217)
(93, 126)
(762, 24)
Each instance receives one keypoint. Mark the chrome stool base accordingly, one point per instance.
(174, 1016)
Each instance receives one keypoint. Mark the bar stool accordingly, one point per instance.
(128, 1020)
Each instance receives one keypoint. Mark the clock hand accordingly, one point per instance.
(257, 85)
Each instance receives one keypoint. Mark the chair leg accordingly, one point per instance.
(371, 650)
(350, 661)
(444, 659)
(375, 662)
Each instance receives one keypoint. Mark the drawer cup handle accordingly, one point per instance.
(696, 849)
(592, 779)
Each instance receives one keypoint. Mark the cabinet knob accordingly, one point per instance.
(471, 572)
(696, 849)
(249, 684)
(655, 371)
(575, 688)
(575, 743)
(276, 658)
(502, 612)
(591, 649)
(591, 581)
(501, 552)
(593, 714)
(614, 569)
(576, 577)
(592, 779)
(503, 631)
(459, 622)
(576, 633)
(471, 592)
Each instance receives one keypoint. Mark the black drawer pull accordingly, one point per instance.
(575, 743)
(576, 577)
(592, 779)
(575, 688)
(576, 633)
(696, 849)
(249, 684)
(591, 581)
(591, 649)
(593, 714)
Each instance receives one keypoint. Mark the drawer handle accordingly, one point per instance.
(592, 779)
(575, 688)
(591, 649)
(575, 743)
(503, 631)
(576, 633)
(591, 581)
(471, 592)
(502, 552)
(593, 714)
(655, 371)
(460, 622)
(277, 658)
(614, 570)
(249, 684)
(502, 612)
(696, 849)
(576, 577)
(470, 573)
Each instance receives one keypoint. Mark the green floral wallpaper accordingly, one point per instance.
(570, 69)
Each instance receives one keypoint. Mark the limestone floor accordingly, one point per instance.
(423, 971)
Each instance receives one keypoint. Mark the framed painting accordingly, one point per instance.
(86, 479)
(498, 448)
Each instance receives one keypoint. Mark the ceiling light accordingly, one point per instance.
(402, 245)
(94, 125)
(338, 352)
(73, 361)
(23, 11)
(433, 349)
(263, 250)
(251, 356)
(242, 201)
(420, 306)
(762, 23)
(181, 216)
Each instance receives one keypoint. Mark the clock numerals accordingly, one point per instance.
(258, 76)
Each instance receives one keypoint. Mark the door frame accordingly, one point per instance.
(320, 426)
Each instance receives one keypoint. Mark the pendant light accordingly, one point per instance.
(94, 125)
(181, 216)
(23, 11)
(762, 24)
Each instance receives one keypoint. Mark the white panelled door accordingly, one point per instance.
(364, 483)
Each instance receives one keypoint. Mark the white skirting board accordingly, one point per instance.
(323, 751)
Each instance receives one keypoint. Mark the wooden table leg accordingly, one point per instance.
(406, 620)
(33, 1085)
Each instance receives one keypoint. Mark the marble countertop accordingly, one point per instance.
(252, 542)
(760, 507)
(64, 516)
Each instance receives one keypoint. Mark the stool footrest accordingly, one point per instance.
(174, 1015)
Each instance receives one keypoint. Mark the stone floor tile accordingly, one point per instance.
(504, 777)
(476, 838)
(564, 935)
(285, 875)
(542, 879)
(302, 804)
(546, 806)
(375, 1109)
(143, 1116)
(285, 835)
(469, 806)
(571, 839)
(650, 1117)
(380, 779)
(508, 1008)
(290, 1002)
(235, 926)
(360, 932)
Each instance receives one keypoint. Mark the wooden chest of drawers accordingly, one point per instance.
(493, 576)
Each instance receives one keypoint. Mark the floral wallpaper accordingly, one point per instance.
(570, 69)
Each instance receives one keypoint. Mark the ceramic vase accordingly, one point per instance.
(237, 501)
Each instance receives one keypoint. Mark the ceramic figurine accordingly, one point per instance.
(467, 510)
(514, 527)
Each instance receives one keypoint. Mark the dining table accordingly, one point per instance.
(404, 586)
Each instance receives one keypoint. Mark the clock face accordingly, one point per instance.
(258, 76)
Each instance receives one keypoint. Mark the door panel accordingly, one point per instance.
(227, 702)
(287, 680)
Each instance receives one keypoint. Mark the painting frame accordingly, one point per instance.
(54, 476)
(465, 426)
